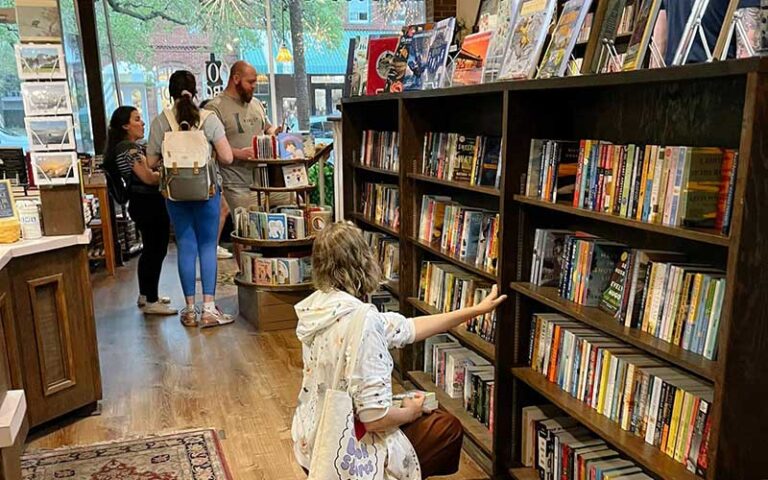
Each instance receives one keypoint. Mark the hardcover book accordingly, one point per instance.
(641, 35)
(470, 61)
(410, 59)
(360, 68)
(564, 39)
(295, 175)
(489, 166)
(381, 51)
(442, 38)
(291, 145)
(530, 33)
(277, 226)
(505, 23)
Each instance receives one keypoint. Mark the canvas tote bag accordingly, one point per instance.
(188, 172)
(338, 453)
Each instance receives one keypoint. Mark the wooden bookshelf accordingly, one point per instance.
(597, 318)
(393, 287)
(468, 339)
(720, 104)
(633, 447)
(378, 171)
(494, 192)
(476, 431)
(704, 236)
(376, 226)
(523, 473)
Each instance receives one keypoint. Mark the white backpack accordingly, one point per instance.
(189, 171)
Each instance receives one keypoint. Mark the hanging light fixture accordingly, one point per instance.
(283, 54)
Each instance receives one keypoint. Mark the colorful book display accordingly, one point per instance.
(381, 204)
(380, 150)
(462, 158)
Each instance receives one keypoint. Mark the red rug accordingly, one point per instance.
(193, 455)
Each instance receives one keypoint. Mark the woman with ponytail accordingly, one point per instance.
(195, 223)
(132, 181)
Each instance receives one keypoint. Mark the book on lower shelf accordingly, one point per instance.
(656, 292)
(260, 270)
(380, 150)
(642, 395)
(381, 203)
(284, 223)
(559, 448)
(666, 185)
(430, 400)
(448, 288)
(462, 374)
(468, 234)
(471, 159)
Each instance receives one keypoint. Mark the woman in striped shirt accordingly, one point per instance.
(125, 160)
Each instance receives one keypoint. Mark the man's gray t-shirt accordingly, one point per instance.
(212, 128)
(241, 122)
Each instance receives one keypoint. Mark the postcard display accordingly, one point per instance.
(278, 231)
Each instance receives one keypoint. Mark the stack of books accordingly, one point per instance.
(260, 270)
(462, 374)
(462, 158)
(667, 407)
(380, 150)
(448, 288)
(561, 449)
(287, 224)
(265, 147)
(381, 204)
(655, 291)
(466, 233)
(675, 186)
(387, 250)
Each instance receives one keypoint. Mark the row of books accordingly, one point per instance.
(462, 374)
(448, 288)
(462, 158)
(666, 407)
(285, 145)
(676, 186)
(466, 233)
(562, 449)
(381, 204)
(387, 251)
(260, 270)
(380, 150)
(286, 223)
(657, 292)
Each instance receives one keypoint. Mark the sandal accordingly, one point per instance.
(215, 318)
(188, 317)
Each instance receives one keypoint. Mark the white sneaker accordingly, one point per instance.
(223, 254)
(142, 300)
(158, 308)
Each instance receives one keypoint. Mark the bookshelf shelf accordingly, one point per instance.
(305, 188)
(437, 252)
(299, 287)
(523, 473)
(634, 447)
(380, 171)
(599, 319)
(476, 431)
(485, 349)
(703, 236)
(254, 242)
(393, 287)
(370, 223)
(455, 185)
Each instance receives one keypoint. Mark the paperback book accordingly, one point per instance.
(434, 75)
(564, 39)
(528, 37)
(381, 52)
(410, 59)
(470, 61)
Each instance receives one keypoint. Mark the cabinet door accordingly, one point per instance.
(56, 331)
(10, 366)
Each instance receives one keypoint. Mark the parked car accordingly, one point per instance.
(10, 139)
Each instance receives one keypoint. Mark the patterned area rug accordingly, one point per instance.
(193, 455)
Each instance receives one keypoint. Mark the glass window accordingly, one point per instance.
(336, 95)
(359, 11)
(320, 102)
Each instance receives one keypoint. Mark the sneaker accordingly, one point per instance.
(188, 316)
(142, 300)
(158, 308)
(223, 254)
(214, 318)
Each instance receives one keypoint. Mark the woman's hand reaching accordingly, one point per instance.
(490, 302)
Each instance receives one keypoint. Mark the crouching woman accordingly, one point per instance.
(344, 271)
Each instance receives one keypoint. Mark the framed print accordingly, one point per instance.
(50, 133)
(38, 21)
(46, 98)
(54, 168)
(40, 62)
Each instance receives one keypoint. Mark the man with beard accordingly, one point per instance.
(243, 117)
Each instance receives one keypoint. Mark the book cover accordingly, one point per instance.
(528, 37)
(470, 61)
(296, 227)
(507, 12)
(489, 162)
(263, 271)
(702, 188)
(641, 35)
(305, 268)
(564, 38)
(348, 77)
(360, 67)
(442, 38)
(607, 33)
(291, 145)
(318, 220)
(295, 175)
(410, 59)
(612, 297)
(465, 157)
(381, 51)
(277, 226)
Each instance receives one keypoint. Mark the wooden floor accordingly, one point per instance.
(160, 377)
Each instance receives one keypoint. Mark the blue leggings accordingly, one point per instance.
(196, 227)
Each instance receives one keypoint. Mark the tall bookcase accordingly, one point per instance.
(722, 104)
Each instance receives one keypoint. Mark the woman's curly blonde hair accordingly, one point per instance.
(342, 260)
